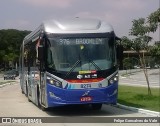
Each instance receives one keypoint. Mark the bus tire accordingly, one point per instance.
(29, 99)
(27, 94)
(43, 108)
(97, 106)
(38, 98)
(22, 91)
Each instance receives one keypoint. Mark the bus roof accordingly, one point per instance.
(71, 26)
(77, 25)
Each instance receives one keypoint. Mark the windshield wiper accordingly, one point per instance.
(74, 66)
(91, 61)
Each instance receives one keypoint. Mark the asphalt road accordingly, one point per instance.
(15, 104)
(137, 78)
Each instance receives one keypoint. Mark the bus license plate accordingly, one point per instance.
(84, 99)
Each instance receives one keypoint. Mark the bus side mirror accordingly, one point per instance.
(40, 53)
(120, 56)
(119, 50)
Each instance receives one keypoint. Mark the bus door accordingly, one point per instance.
(40, 53)
(43, 88)
(30, 81)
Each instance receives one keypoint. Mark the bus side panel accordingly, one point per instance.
(55, 96)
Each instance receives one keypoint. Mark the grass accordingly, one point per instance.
(6, 82)
(138, 97)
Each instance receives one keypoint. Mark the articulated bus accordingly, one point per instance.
(71, 61)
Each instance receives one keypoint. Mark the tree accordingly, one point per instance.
(154, 20)
(140, 30)
(155, 53)
(127, 62)
(10, 41)
(126, 42)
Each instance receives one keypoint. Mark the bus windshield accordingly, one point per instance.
(76, 54)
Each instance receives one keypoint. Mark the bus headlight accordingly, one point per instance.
(113, 79)
(51, 81)
(54, 82)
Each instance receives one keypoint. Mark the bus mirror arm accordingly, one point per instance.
(40, 66)
(40, 53)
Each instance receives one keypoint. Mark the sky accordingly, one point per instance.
(29, 14)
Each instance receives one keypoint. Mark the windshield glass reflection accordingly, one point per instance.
(80, 54)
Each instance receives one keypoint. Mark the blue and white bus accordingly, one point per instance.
(70, 61)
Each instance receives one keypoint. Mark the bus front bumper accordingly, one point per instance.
(59, 97)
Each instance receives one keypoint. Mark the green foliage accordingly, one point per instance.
(139, 30)
(10, 41)
(153, 20)
(126, 42)
(141, 43)
(155, 50)
(139, 27)
(155, 53)
(127, 62)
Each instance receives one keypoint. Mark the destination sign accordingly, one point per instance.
(81, 41)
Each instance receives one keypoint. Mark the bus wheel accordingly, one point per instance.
(97, 106)
(27, 94)
(38, 98)
(22, 91)
(28, 98)
(43, 108)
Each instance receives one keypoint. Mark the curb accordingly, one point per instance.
(139, 110)
(11, 83)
